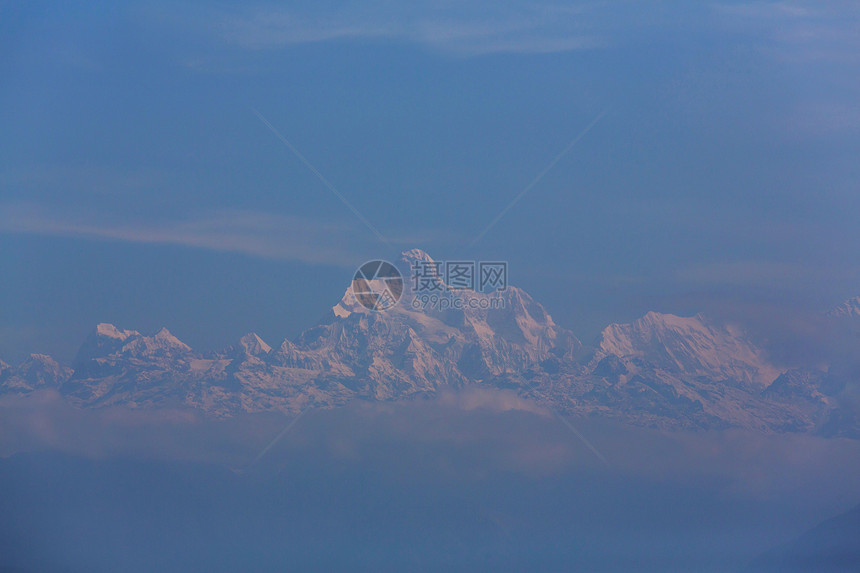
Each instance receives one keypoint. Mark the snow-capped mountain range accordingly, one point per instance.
(850, 309)
(660, 370)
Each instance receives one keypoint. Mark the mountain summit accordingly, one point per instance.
(850, 309)
(660, 370)
(688, 345)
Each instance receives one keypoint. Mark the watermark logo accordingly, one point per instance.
(377, 285)
(479, 276)
(458, 284)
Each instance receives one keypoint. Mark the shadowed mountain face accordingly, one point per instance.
(661, 370)
(38, 372)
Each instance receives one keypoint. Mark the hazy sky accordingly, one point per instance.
(139, 187)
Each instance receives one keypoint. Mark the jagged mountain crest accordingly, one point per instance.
(252, 345)
(850, 309)
(349, 304)
(693, 345)
(107, 340)
(659, 370)
(518, 335)
(162, 343)
(36, 372)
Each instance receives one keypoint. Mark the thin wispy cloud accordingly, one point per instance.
(793, 30)
(811, 40)
(252, 233)
(798, 32)
(469, 30)
(245, 232)
(762, 9)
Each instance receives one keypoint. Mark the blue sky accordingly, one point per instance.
(137, 185)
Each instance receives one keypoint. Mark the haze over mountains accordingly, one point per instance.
(176, 459)
(660, 370)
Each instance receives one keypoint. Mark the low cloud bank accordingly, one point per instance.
(471, 480)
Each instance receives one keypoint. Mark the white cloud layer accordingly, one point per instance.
(464, 29)
(794, 30)
(246, 232)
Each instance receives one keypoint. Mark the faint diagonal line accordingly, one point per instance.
(320, 176)
(537, 179)
(582, 438)
(277, 439)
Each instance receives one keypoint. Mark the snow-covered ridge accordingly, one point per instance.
(107, 340)
(693, 345)
(659, 370)
(849, 309)
(36, 372)
(110, 331)
(254, 345)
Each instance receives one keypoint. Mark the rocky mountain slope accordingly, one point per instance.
(661, 370)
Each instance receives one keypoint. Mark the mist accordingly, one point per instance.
(470, 480)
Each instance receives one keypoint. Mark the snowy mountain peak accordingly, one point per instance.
(108, 330)
(661, 370)
(165, 337)
(848, 309)
(163, 342)
(38, 371)
(347, 305)
(415, 258)
(108, 340)
(103, 341)
(253, 345)
(693, 345)
(40, 359)
(413, 255)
